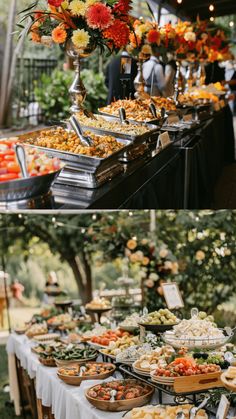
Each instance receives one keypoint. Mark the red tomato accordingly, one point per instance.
(3, 164)
(7, 152)
(10, 158)
(8, 176)
(13, 167)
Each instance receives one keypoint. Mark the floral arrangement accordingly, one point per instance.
(200, 41)
(87, 23)
(147, 34)
(156, 265)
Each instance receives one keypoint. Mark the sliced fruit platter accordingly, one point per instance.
(164, 412)
(36, 329)
(159, 321)
(108, 337)
(119, 395)
(75, 353)
(76, 373)
(98, 304)
(120, 345)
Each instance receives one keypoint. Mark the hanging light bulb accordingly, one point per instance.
(179, 1)
(231, 24)
(212, 18)
(211, 7)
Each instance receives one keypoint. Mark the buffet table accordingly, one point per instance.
(183, 175)
(49, 397)
(65, 401)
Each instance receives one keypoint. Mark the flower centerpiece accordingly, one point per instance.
(80, 26)
(156, 265)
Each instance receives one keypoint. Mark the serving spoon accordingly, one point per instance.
(21, 158)
(85, 139)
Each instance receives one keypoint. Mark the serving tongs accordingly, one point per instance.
(122, 115)
(153, 110)
(85, 139)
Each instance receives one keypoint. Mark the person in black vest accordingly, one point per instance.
(119, 77)
(214, 73)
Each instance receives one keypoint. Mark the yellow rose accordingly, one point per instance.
(146, 49)
(145, 261)
(200, 255)
(131, 244)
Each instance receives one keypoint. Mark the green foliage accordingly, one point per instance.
(96, 89)
(52, 92)
(203, 243)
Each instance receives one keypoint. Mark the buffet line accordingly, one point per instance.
(89, 150)
(149, 365)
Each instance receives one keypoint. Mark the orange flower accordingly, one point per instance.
(153, 36)
(135, 40)
(35, 37)
(59, 35)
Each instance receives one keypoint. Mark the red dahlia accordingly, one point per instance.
(153, 36)
(118, 33)
(122, 7)
(55, 3)
(99, 16)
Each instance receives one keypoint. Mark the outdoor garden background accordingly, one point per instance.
(194, 248)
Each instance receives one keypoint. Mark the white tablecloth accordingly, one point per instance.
(67, 402)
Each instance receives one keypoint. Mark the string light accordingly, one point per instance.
(231, 23)
(179, 1)
(211, 7)
(53, 220)
(212, 19)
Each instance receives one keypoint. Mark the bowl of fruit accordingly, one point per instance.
(41, 172)
(119, 395)
(159, 321)
(76, 373)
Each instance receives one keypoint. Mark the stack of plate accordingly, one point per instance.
(167, 381)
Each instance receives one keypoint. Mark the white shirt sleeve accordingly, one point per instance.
(160, 79)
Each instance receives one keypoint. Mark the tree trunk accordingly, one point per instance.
(83, 276)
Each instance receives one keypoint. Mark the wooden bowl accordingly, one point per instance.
(76, 380)
(120, 405)
(62, 363)
(50, 362)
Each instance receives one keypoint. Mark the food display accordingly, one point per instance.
(197, 96)
(109, 337)
(63, 140)
(135, 110)
(75, 353)
(130, 322)
(159, 321)
(37, 162)
(153, 359)
(182, 367)
(98, 330)
(98, 304)
(119, 395)
(112, 125)
(196, 332)
(62, 322)
(36, 329)
(47, 348)
(133, 353)
(164, 412)
(162, 102)
(115, 347)
(74, 374)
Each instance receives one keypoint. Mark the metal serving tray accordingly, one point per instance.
(146, 137)
(155, 122)
(78, 161)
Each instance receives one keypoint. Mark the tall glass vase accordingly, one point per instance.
(77, 90)
(189, 79)
(201, 75)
